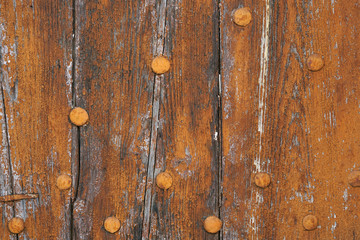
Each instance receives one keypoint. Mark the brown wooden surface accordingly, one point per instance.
(297, 125)
(36, 93)
(236, 101)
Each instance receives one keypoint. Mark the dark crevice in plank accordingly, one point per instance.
(219, 127)
(160, 45)
(76, 130)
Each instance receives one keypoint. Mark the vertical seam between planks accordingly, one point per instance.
(154, 126)
(220, 157)
(75, 129)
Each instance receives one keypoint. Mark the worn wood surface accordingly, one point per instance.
(236, 101)
(36, 96)
(299, 126)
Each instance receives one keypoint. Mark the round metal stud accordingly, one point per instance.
(242, 17)
(315, 62)
(354, 178)
(160, 65)
(63, 182)
(164, 180)
(112, 224)
(262, 180)
(16, 225)
(78, 116)
(212, 224)
(310, 222)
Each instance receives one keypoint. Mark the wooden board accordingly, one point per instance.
(186, 104)
(114, 83)
(299, 126)
(36, 97)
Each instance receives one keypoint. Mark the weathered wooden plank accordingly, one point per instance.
(36, 82)
(297, 125)
(114, 83)
(186, 120)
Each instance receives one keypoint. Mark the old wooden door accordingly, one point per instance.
(194, 119)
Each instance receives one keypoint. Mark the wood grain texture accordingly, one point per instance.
(114, 83)
(187, 141)
(36, 59)
(297, 125)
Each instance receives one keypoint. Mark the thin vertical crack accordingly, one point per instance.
(160, 48)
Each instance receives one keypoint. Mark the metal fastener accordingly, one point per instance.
(354, 178)
(242, 16)
(18, 197)
(212, 224)
(164, 180)
(63, 182)
(112, 224)
(160, 65)
(16, 225)
(310, 222)
(262, 180)
(315, 62)
(78, 116)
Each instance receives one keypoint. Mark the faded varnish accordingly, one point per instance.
(237, 100)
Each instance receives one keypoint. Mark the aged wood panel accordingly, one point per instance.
(114, 83)
(36, 96)
(297, 125)
(186, 116)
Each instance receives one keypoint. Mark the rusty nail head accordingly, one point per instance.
(212, 224)
(160, 65)
(242, 17)
(310, 222)
(354, 178)
(164, 180)
(262, 180)
(63, 182)
(112, 224)
(16, 225)
(78, 116)
(315, 62)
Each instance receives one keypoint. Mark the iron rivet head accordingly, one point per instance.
(160, 65)
(242, 17)
(354, 178)
(63, 182)
(212, 224)
(164, 180)
(262, 180)
(310, 222)
(112, 224)
(78, 116)
(16, 225)
(315, 62)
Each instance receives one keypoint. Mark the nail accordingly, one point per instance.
(262, 180)
(242, 16)
(164, 180)
(354, 178)
(63, 182)
(160, 65)
(16, 225)
(212, 224)
(310, 222)
(79, 116)
(112, 224)
(315, 62)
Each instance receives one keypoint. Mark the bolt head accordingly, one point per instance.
(112, 224)
(354, 178)
(212, 224)
(16, 225)
(310, 222)
(63, 182)
(160, 65)
(78, 116)
(164, 180)
(262, 180)
(242, 17)
(315, 62)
